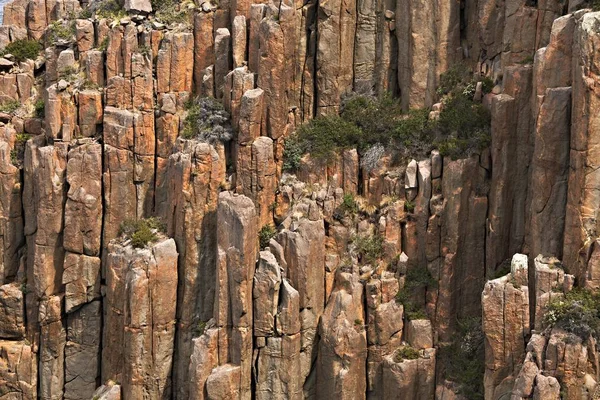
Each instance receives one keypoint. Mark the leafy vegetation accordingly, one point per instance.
(578, 313)
(265, 235)
(463, 359)
(199, 328)
(40, 108)
(416, 281)
(372, 124)
(141, 231)
(369, 247)
(168, 12)
(207, 121)
(10, 106)
(17, 155)
(348, 207)
(23, 49)
(110, 9)
(406, 353)
(59, 30)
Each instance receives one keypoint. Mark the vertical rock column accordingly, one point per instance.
(505, 303)
(583, 200)
(11, 210)
(81, 277)
(139, 318)
(187, 203)
(304, 254)
(237, 249)
(341, 362)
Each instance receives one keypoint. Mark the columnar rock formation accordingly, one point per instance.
(261, 283)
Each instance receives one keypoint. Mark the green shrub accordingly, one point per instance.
(40, 108)
(417, 280)
(406, 353)
(369, 247)
(292, 153)
(376, 117)
(10, 106)
(265, 235)
(168, 12)
(109, 9)
(322, 136)
(348, 207)
(409, 205)
(23, 49)
(578, 313)
(141, 231)
(59, 30)
(199, 328)
(463, 359)
(207, 121)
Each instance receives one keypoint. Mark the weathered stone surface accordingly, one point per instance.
(138, 5)
(110, 391)
(343, 337)
(12, 312)
(583, 200)
(233, 298)
(549, 173)
(204, 50)
(505, 326)
(11, 207)
(84, 34)
(223, 383)
(52, 349)
(81, 278)
(279, 368)
(238, 40)
(415, 379)
(550, 283)
(186, 199)
(335, 48)
(265, 295)
(203, 360)
(139, 323)
(223, 60)
(83, 208)
(18, 372)
(82, 351)
(44, 195)
(419, 333)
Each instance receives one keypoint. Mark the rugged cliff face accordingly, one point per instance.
(166, 234)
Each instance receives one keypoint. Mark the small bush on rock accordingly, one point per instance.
(406, 353)
(23, 49)
(369, 247)
(207, 121)
(265, 235)
(10, 106)
(578, 313)
(141, 232)
(463, 359)
(416, 281)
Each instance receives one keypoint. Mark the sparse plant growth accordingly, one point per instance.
(169, 12)
(578, 312)
(17, 155)
(23, 49)
(527, 60)
(10, 106)
(141, 232)
(502, 270)
(463, 359)
(406, 353)
(207, 121)
(372, 125)
(68, 73)
(104, 44)
(358, 322)
(39, 108)
(417, 280)
(409, 205)
(59, 30)
(348, 207)
(265, 235)
(110, 9)
(199, 328)
(369, 247)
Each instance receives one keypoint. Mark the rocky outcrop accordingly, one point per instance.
(139, 320)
